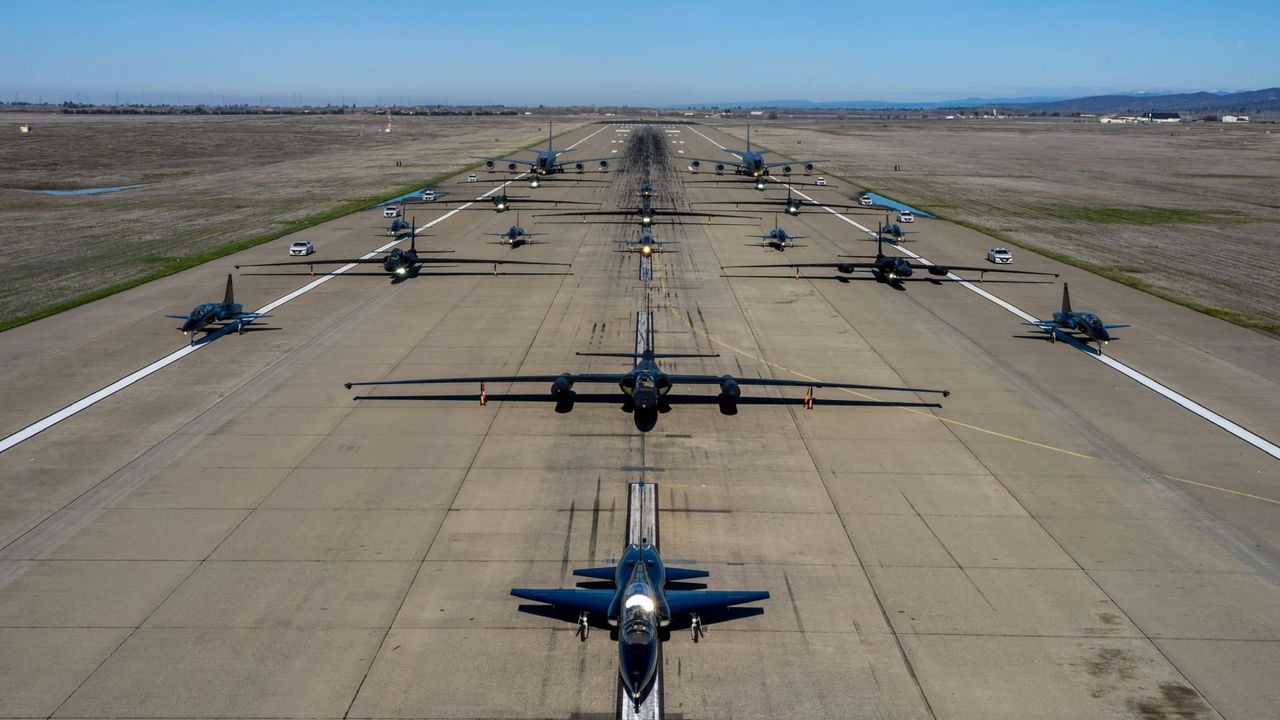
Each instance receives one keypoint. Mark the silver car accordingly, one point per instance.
(999, 256)
(302, 247)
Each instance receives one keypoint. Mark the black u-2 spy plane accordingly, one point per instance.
(646, 388)
(1068, 322)
(547, 162)
(894, 269)
(641, 605)
(403, 263)
(206, 314)
(750, 163)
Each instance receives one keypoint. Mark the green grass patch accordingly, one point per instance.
(166, 266)
(1132, 215)
(1127, 276)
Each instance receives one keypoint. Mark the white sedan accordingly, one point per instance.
(999, 256)
(906, 216)
(302, 247)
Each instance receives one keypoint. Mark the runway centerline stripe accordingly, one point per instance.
(92, 399)
(1185, 402)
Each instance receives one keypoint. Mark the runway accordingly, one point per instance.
(234, 536)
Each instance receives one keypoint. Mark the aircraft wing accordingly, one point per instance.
(631, 213)
(972, 268)
(771, 382)
(855, 265)
(481, 261)
(530, 163)
(583, 378)
(179, 317)
(338, 261)
(680, 602)
(780, 202)
(574, 161)
(1113, 327)
(800, 163)
(716, 161)
(592, 601)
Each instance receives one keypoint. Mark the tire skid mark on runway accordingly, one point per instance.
(1186, 403)
(94, 398)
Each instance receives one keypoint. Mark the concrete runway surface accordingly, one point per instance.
(234, 536)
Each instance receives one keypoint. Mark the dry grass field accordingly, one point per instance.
(212, 182)
(1188, 212)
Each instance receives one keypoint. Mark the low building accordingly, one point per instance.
(1161, 117)
(1235, 118)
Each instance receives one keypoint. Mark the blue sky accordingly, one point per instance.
(654, 52)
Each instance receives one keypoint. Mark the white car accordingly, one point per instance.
(820, 181)
(906, 216)
(472, 177)
(302, 247)
(999, 256)
(391, 211)
(865, 200)
(429, 195)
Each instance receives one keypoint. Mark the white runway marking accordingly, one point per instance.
(1244, 434)
(88, 401)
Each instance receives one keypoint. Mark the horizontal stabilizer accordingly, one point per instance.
(599, 573)
(690, 601)
(596, 601)
(677, 574)
(1113, 327)
(179, 317)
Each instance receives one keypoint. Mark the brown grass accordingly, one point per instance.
(1190, 213)
(215, 182)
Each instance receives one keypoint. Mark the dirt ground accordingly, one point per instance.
(211, 181)
(1190, 212)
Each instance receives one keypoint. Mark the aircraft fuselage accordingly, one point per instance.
(208, 313)
(640, 610)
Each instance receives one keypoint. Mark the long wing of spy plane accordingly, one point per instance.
(400, 263)
(639, 604)
(893, 268)
(547, 161)
(646, 388)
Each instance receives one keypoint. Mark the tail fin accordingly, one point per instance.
(1066, 300)
(549, 136)
(230, 297)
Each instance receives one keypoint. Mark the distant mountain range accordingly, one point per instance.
(1249, 100)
